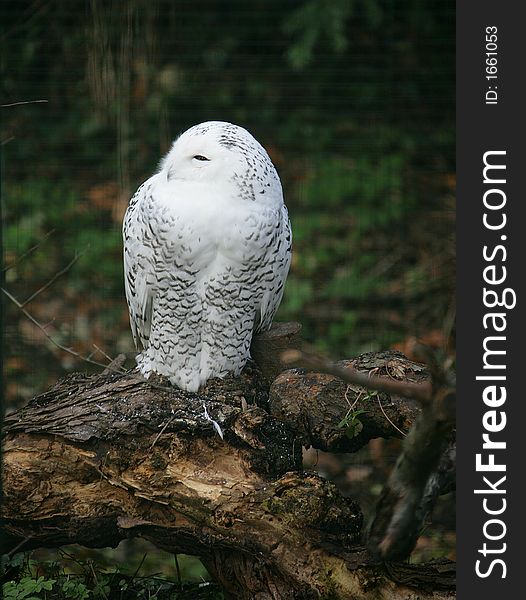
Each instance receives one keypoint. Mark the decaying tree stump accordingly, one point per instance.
(101, 458)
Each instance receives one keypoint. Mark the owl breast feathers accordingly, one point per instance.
(207, 247)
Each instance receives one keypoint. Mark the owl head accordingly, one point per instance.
(219, 152)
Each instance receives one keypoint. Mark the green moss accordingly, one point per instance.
(318, 507)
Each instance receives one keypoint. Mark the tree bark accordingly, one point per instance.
(98, 459)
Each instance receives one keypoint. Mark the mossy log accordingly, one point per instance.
(97, 459)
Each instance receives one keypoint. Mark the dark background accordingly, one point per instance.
(354, 100)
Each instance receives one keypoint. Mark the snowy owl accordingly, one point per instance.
(207, 247)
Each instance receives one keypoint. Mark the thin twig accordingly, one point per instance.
(18, 546)
(72, 558)
(162, 431)
(23, 102)
(52, 280)
(115, 364)
(179, 578)
(27, 252)
(387, 417)
(139, 567)
(417, 391)
(103, 353)
(46, 325)
(97, 581)
(49, 337)
(353, 404)
(32, 11)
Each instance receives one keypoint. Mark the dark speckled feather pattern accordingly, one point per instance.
(207, 248)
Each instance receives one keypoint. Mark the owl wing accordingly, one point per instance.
(139, 267)
(280, 247)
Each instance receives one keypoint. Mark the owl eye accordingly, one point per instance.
(200, 157)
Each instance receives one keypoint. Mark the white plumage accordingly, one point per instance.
(207, 247)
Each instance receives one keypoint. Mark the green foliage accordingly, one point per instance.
(75, 590)
(27, 588)
(40, 207)
(319, 21)
(313, 21)
(78, 579)
(352, 423)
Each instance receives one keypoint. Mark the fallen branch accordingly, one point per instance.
(317, 402)
(416, 391)
(417, 478)
(97, 459)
